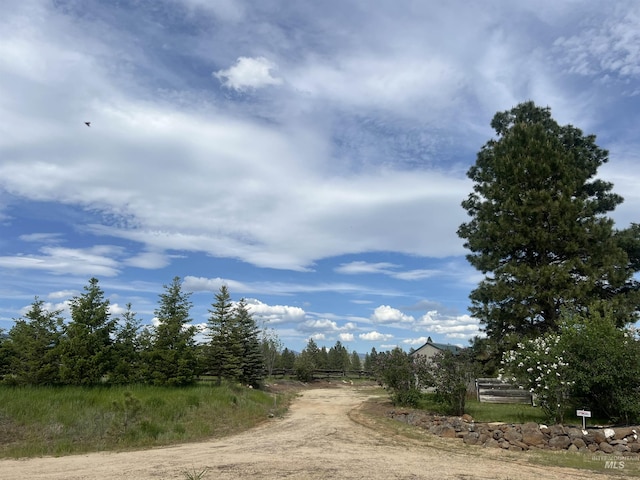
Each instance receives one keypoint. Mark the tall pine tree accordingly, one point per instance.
(172, 356)
(539, 230)
(224, 359)
(87, 357)
(252, 360)
(33, 347)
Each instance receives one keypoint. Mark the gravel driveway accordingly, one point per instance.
(317, 439)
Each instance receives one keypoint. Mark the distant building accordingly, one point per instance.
(430, 348)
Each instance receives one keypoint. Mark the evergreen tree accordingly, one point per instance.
(306, 362)
(338, 358)
(87, 357)
(225, 345)
(287, 359)
(33, 347)
(127, 348)
(370, 361)
(356, 363)
(172, 357)
(539, 231)
(252, 359)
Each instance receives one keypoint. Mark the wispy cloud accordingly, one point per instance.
(248, 73)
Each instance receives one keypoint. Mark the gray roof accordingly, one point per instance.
(440, 346)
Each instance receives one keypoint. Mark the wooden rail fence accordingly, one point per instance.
(494, 390)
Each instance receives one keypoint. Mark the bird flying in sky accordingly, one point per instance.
(88, 124)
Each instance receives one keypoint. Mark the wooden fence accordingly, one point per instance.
(493, 390)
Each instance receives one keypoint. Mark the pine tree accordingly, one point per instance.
(87, 357)
(356, 363)
(127, 347)
(539, 231)
(172, 357)
(225, 346)
(33, 347)
(287, 359)
(252, 359)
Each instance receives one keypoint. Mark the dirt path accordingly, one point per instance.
(316, 440)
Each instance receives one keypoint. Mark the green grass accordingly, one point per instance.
(488, 412)
(38, 421)
(504, 412)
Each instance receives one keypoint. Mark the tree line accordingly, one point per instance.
(95, 348)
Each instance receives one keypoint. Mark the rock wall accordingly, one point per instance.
(527, 436)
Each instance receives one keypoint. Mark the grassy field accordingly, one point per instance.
(504, 412)
(37, 421)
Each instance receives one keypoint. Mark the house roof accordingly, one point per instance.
(439, 346)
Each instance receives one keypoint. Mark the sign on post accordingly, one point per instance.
(584, 414)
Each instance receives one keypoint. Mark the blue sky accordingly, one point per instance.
(312, 156)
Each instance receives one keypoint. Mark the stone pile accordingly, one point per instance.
(527, 436)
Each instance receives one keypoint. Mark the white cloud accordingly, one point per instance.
(415, 341)
(275, 314)
(375, 336)
(385, 268)
(41, 237)
(248, 73)
(148, 260)
(346, 337)
(202, 284)
(463, 326)
(360, 267)
(385, 314)
(95, 261)
(62, 294)
(610, 46)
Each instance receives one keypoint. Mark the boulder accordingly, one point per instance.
(512, 435)
(560, 442)
(622, 432)
(605, 447)
(579, 443)
(531, 434)
(471, 438)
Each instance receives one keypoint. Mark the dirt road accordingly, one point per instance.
(317, 439)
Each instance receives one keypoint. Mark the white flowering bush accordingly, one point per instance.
(540, 366)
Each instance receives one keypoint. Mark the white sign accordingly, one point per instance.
(583, 413)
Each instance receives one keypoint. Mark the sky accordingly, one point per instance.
(311, 156)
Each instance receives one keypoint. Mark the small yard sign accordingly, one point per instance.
(584, 414)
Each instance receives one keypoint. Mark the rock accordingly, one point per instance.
(498, 434)
(560, 442)
(620, 448)
(634, 447)
(579, 443)
(574, 433)
(609, 432)
(599, 436)
(572, 448)
(471, 438)
(512, 435)
(605, 447)
(556, 430)
(520, 445)
(593, 447)
(621, 432)
(532, 437)
(467, 418)
(491, 442)
(448, 432)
